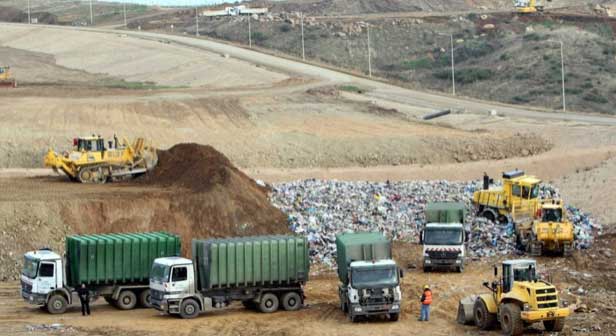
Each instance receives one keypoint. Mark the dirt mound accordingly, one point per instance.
(195, 167)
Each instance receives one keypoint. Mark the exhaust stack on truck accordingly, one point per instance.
(115, 266)
(263, 272)
(369, 278)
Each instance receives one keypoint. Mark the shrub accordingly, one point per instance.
(520, 100)
(595, 97)
(466, 76)
(259, 37)
(285, 28)
(534, 37)
(473, 49)
(421, 63)
(505, 57)
(521, 76)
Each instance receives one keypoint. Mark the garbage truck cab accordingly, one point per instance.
(443, 246)
(373, 289)
(42, 277)
(369, 277)
(444, 236)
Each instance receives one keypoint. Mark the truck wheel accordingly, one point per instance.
(427, 269)
(189, 309)
(353, 318)
(145, 298)
(269, 303)
(483, 318)
(567, 251)
(56, 304)
(127, 300)
(510, 319)
(554, 325)
(535, 249)
(291, 301)
(393, 317)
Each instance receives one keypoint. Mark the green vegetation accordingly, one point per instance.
(285, 28)
(521, 76)
(548, 24)
(602, 29)
(350, 88)
(420, 63)
(505, 57)
(466, 76)
(122, 84)
(259, 36)
(473, 49)
(595, 96)
(520, 100)
(535, 37)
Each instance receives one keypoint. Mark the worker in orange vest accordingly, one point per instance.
(426, 300)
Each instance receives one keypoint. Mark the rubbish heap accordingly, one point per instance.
(321, 209)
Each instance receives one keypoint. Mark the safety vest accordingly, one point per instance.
(428, 297)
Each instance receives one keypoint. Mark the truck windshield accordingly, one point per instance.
(367, 277)
(551, 215)
(443, 236)
(30, 267)
(160, 273)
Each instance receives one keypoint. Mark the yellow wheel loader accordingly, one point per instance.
(516, 300)
(91, 161)
(529, 6)
(517, 200)
(6, 80)
(551, 232)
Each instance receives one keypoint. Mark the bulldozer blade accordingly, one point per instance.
(465, 310)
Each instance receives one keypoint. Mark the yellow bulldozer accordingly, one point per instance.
(516, 300)
(6, 80)
(550, 232)
(92, 161)
(529, 6)
(516, 201)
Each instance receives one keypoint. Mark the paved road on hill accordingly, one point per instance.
(378, 89)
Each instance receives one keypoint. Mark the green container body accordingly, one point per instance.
(445, 212)
(251, 261)
(116, 258)
(357, 247)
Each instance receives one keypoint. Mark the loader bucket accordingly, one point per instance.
(51, 159)
(465, 310)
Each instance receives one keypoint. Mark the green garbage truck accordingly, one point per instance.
(263, 272)
(115, 266)
(443, 237)
(369, 277)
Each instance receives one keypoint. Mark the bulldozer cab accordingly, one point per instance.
(518, 270)
(551, 211)
(89, 144)
(522, 191)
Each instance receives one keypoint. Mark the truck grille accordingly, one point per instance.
(546, 291)
(548, 305)
(26, 287)
(547, 298)
(156, 294)
(443, 254)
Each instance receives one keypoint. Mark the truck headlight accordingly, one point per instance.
(426, 255)
(565, 303)
(458, 261)
(427, 261)
(395, 307)
(526, 307)
(358, 309)
(31, 298)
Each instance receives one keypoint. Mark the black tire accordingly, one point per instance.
(427, 269)
(145, 298)
(502, 219)
(189, 309)
(554, 325)
(567, 250)
(483, 318)
(269, 303)
(489, 215)
(353, 318)
(127, 300)
(291, 301)
(460, 269)
(394, 317)
(510, 319)
(344, 307)
(535, 249)
(57, 304)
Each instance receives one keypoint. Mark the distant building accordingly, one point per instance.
(235, 11)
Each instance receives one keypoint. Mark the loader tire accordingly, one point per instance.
(511, 320)
(145, 298)
(535, 249)
(489, 214)
(554, 325)
(483, 318)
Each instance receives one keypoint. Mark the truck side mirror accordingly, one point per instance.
(401, 272)
(495, 271)
(466, 237)
(421, 233)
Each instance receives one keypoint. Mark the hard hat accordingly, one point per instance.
(426, 287)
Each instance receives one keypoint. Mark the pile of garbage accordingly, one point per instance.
(322, 209)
